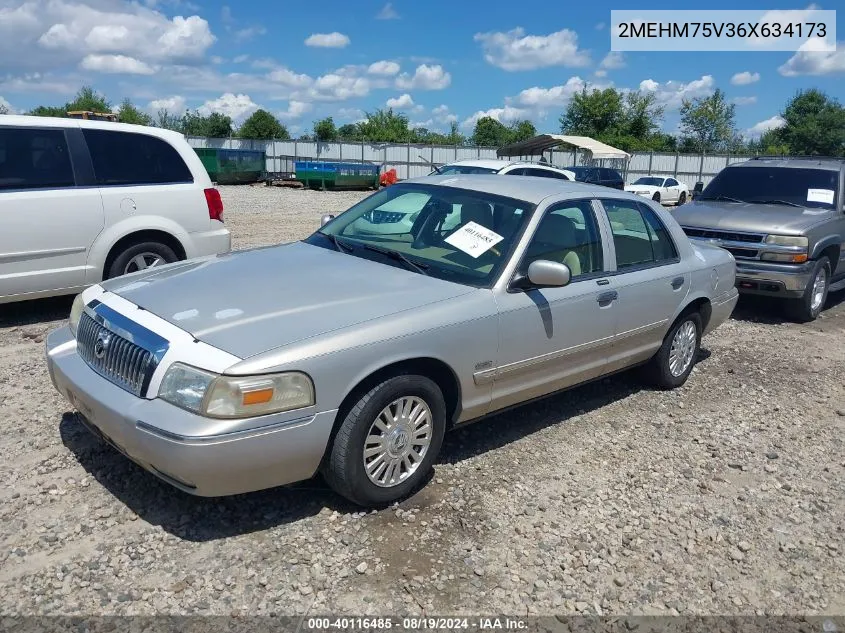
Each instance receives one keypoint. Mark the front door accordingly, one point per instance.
(552, 338)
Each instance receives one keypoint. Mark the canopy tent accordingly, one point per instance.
(541, 143)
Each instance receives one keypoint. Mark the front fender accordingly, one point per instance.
(831, 240)
(112, 234)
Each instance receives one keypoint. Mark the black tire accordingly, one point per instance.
(344, 467)
(659, 370)
(120, 263)
(682, 199)
(656, 196)
(804, 310)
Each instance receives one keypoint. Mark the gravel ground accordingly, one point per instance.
(726, 496)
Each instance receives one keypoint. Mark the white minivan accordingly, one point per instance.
(82, 201)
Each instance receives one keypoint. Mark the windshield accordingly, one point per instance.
(653, 182)
(814, 188)
(465, 169)
(454, 234)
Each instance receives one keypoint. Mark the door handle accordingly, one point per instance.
(607, 297)
(677, 282)
(603, 282)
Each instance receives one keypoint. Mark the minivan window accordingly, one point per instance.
(125, 158)
(801, 186)
(34, 159)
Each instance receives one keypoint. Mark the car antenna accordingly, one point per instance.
(435, 167)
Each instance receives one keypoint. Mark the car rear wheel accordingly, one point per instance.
(387, 441)
(673, 363)
(140, 257)
(656, 196)
(808, 307)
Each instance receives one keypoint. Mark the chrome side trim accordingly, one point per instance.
(55, 252)
(641, 330)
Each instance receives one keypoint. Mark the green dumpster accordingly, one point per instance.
(337, 175)
(232, 166)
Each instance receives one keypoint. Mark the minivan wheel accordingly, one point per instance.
(810, 305)
(672, 364)
(140, 257)
(388, 441)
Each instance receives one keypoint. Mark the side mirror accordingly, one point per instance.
(326, 219)
(543, 273)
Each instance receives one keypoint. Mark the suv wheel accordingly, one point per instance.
(673, 363)
(140, 257)
(388, 441)
(808, 307)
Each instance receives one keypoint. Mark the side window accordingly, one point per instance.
(125, 158)
(516, 172)
(34, 159)
(671, 182)
(638, 235)
(568, 234)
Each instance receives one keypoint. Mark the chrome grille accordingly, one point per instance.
(728, 236)
(120, 361)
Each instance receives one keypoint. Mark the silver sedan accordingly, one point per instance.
(426, 306)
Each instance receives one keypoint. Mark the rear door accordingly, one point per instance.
(49, 212)
(673, 190)
(650, 279)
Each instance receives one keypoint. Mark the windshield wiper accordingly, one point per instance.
(416, 266)
(343, 248)
(721, 197)
(785, 202)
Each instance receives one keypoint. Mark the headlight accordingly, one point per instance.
(787, 240)
(217, 396)
(76, 313)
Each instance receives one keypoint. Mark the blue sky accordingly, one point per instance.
(436, 61)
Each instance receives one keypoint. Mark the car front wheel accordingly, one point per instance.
(682, 198)
(673, 363)
(810, 305)
(387, 441)
(656, 196)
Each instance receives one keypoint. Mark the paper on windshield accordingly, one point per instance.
(820, 195)
(474, 239)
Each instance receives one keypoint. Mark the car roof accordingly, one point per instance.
(531, 189)
(822, 162)
(18, 120)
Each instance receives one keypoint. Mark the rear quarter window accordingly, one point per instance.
(33, 158)
(125, 158)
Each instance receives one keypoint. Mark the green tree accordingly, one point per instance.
(348, 132)
(215, 125)
(262, 125)
(770, 143)
(325, 130)
(168, 121)
(490, 132)
(48, 111)
(385, 126)
(4, 109)
(520, 131)
(454, 137)
(128, 113)
(89, 100)
(709, 122)
(815, 125)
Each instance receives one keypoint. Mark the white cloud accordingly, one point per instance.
(542, 98)
(6, 107)
(384, 68)
(811, 61)
(443, 115)
(240, 59)
(743, 101)
(387, 13)
(672, 93)
(350, 114)
(417, 124)
(601, 73)
(116, 64)
(54, 34)
(508, 114)
(67, 85)
(295, 110)
(516, 51)
(234, 106)
(762, 127)
(745, 78)
(336, 86)
(613, 60)
(328, 40)
(287, 77)
(425, 78)
(403, 101)
(247, 33)
(174, 104)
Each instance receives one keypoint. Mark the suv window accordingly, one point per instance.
(638, 234)
(34, 159)
(802, 186)
(125, 158)
(568, 234)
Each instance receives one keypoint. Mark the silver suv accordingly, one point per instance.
(782, 219)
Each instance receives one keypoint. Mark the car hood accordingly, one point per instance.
(250, 302)
(748, 217)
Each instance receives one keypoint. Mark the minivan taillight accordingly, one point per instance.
(215, 204)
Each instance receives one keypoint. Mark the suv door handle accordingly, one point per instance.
(607, 297)
(677, 282)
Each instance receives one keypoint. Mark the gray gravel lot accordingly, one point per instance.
(724, 497)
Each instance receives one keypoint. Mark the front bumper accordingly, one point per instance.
(278, 452)
(773, 279)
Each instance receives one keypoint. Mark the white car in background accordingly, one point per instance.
(662, 190)
(397, 216)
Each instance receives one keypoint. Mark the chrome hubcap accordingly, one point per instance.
(397, 441)
(819, 285)
(683, 348)
(142, 261)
